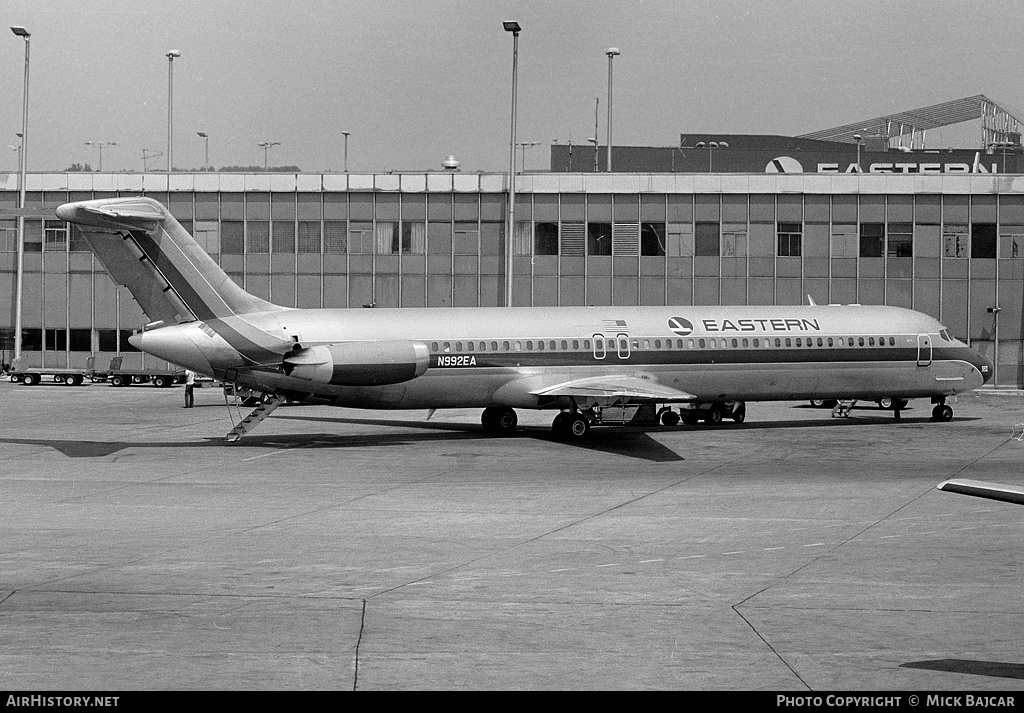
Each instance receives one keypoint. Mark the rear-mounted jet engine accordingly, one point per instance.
(359, 363)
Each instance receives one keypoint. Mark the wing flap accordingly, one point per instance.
(616, 386)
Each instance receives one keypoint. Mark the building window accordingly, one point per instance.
(983, 240)
(573, 240)
(33, 236)
(335, 236)
(56, 340)
(56, 236)
(652, 239)
(283, 238)
(872, 239)
(126, 346)
(232, 240)
(522, 242)
(900, 240)
(81, 340)
(360, 237)
(107, 339)
(414, 238)
(466, 238)
(954, 241)
(707, 241)
(599, 238)
(790, 237)
(310, 238)
(257, 237)
(1012, 245)
(545, 239)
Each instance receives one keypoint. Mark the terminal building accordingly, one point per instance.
(832, 218)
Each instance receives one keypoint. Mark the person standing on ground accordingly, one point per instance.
(190, 385)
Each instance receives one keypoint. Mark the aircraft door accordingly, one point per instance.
(622, 345)
(924, 349)
(600, 350)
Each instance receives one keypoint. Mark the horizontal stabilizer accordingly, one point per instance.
(981, 489)
(616, 386)
(129, 214)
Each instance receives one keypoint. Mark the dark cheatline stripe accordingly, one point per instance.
(698, 357)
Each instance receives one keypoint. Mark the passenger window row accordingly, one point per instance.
(636, 344)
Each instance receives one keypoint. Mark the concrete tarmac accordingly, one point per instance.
(342, 549)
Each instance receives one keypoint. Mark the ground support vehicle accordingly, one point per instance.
(31, 376)
(117, 376)
(712, 412)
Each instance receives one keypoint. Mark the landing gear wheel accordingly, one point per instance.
(670, 418)
(577, 427)
(499, 419)
(561, 423)
(942, 412)
(884, 403)
(739, 414)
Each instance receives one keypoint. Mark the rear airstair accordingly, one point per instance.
(843, 408)
(258, 415)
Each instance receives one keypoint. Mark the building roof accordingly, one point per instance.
(998, 124)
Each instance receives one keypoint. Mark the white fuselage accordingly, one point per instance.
(496, 356)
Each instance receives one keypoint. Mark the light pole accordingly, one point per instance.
(19, 291)
(593, 140)
(99, 145)
(711, 146)
(612, 51)
(206, 149)
(170, 108)
(346, 134)
(515, 29)
(526, 145)
(266, 145)
(860, 140)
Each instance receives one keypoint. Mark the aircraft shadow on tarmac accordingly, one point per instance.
(628, 441)
(997, 669)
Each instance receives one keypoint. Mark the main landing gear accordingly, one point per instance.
(500, 420)
(571, 425)
(941, 411)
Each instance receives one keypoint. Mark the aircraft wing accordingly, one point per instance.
(616, 386)
(981, 489)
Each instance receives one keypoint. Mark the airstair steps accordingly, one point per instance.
(259, 414)
(843, 408)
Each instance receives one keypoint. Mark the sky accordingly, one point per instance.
(416, 80)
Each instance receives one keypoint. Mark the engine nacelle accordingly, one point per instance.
(359, 363)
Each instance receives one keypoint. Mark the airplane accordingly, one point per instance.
(592, 365)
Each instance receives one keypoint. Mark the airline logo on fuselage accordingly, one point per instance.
(680, 326)
(761, 325)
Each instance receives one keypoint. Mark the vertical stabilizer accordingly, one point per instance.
(145, 249)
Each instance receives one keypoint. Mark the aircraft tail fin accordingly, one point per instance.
(144, 248)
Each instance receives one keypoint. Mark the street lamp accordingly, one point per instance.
(99, 145)
(346, 134)
(515, 29)
(860, 141)
(206, 149)
(266, 145)
(170, 108)
(593, 140)
(19, 291)
(526, 145)
(711, 146)
(612, 51)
